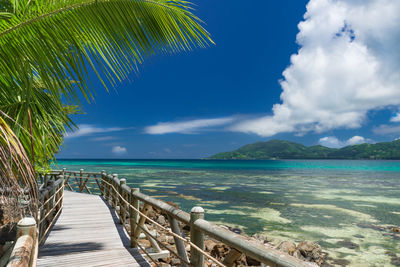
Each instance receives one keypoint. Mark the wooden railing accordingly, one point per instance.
(31, 232)
(126, 201)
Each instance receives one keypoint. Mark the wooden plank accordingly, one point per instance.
(87, 233)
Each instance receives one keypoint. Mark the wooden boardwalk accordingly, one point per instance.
(87, 233)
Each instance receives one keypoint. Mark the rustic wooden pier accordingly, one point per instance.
(88, 233)
(100, 221)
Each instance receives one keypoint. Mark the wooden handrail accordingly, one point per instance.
(120, 195)
(254, 249)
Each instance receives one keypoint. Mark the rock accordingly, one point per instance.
(162, 238)
(263, 238)
(288, 247)
(396, 229)
(311, 252)
(297, 254)
(152, 214)
(209, 244)
(359, 236)
(145, 243)
(395, 261)
(348, 244)
(170, 240)
(252, 262)
(219, 251)
(340, 262)
(186, 228)
(175, 261)
(161, 220)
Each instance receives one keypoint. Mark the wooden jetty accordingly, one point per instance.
(88, 233)
(100, 221)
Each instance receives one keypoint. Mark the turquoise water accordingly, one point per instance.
(326, 201)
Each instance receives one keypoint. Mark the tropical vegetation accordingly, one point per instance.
(279, 149)
(49, 50)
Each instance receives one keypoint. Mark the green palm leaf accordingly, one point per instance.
(62, 40)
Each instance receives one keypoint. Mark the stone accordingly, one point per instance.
(252, 262)
(395, 261)
(288, 247)
(359, 236)
(161, 220)
(348, 244)
(340, 262)
(162, 238)
(297, 254)
(175, 261)
(396, 229)
(311, 252)
(209, 244)
(219, 251)
(170, 240)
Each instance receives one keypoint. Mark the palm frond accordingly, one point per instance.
(16, 172)
(63, 40)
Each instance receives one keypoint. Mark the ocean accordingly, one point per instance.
(330, 202)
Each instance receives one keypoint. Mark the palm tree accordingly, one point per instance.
(59, 42)
(38, 119)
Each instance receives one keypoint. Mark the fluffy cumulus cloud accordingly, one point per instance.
(189, 126)
(119, 150)
(348, 63)
(89, 129)
(395, 118)
(334, 142)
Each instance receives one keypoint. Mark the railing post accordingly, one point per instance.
(180, 246)
(114, 194)
(138, 229)
(196, 237)
(45, 180)
(103, 177)
(108, 185)
(23, 251)
(133, 214)
(121, 202)
(81, 180)
(60, 193)
(51, 195)
(64, 172)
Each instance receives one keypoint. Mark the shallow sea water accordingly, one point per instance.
(325, 201)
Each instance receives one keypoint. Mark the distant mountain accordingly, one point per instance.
(279, 149)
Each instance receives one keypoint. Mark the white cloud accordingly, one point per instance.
(103, 138)
(395, 118)
(356, 140)
(187, 127)
(119, 150)
(330, 141)
(89, 129)
(385, 129)
(348, 63)
(334, 142)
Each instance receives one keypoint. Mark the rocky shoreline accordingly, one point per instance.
(304, 250)
(307, 251)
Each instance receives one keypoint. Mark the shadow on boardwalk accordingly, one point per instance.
(88, 233)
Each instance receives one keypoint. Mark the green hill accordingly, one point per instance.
(279, 149)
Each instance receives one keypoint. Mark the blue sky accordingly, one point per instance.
(312, 72)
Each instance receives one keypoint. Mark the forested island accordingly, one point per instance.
(280, 149)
